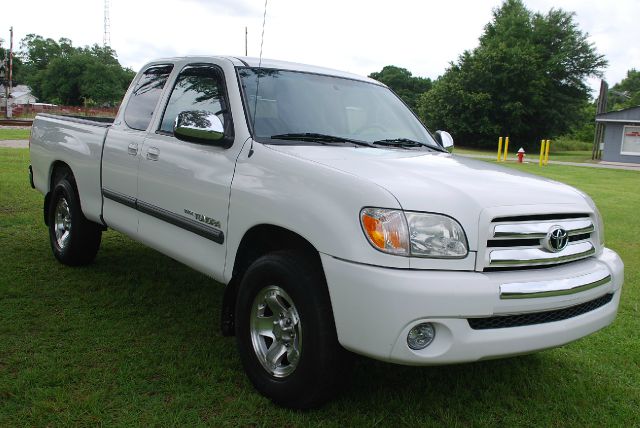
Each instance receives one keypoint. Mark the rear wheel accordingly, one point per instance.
(285, 331)
(74, 239)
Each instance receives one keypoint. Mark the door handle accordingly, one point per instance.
(153, 153)
(132, 149)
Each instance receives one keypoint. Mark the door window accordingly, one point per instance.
(145, 96)
(197, 88)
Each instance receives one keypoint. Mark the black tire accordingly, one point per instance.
(82, 240)
(322, 364)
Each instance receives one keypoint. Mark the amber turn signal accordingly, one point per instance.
(386, 230)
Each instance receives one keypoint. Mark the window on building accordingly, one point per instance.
(630, 141)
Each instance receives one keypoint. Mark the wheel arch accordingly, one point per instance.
(257, 241)
(55, 170)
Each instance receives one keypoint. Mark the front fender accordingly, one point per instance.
(315, 201)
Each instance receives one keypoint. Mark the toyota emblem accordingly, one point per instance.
(556, 240)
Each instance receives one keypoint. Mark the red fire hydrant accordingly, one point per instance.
(520, 155)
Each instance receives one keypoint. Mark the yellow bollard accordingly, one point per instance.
(542, 144)
(506, 148)
(499, 148)
(546, 153)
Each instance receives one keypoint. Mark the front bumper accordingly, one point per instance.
(375, 307)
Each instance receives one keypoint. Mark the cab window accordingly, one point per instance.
(198, 87)
(145, 96)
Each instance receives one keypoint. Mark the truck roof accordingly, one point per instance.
(242, 61)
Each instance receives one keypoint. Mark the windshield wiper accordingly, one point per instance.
(319, 138)
(401, 142)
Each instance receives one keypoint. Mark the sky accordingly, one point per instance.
(356, 36)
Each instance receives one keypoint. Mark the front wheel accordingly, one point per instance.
(74, 239)
(285, 331)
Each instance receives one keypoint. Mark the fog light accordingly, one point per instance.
(421, 336)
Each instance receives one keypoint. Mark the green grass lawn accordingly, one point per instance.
(14, 134)
(133, 339)
(568, 156)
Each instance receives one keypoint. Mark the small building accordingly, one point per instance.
(22, 98)
(621, 135)
(20, 95)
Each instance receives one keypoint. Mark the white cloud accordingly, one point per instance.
(357, 36)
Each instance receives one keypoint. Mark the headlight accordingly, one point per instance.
(434, 235)
(416, 234)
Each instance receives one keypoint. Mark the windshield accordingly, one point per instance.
(290, 103)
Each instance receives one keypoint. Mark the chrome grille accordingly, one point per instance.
(516, 242)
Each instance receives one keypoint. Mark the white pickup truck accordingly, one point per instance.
(336, 220)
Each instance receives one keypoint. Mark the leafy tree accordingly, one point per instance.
(408, 87)
(17, 67)
(37, 52)
(60, 73)
(526, 79)
(626, 93)
(60, 80)
(585, 128)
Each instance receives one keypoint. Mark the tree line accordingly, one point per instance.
(59, 73)
(526, 79)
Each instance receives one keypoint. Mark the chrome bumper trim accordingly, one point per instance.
(535, 256)
(559, 287)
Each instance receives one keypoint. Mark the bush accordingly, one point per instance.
(567, 144)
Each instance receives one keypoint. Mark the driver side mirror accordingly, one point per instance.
(445, 139)
(199, 126)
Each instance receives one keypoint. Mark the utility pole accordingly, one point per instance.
(10, 89)
(245, 41)
(6, 74)
(11, 59)
(4, 81)
(601, 107)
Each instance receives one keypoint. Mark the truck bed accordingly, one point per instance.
(77, 142)
(90, 120)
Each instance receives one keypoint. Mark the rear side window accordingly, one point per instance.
(145, 96)
(198, 87)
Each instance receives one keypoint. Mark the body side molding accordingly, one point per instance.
(211, 233)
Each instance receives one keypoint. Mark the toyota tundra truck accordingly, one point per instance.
(337, 221)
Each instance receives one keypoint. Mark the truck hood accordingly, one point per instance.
(439, 182)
